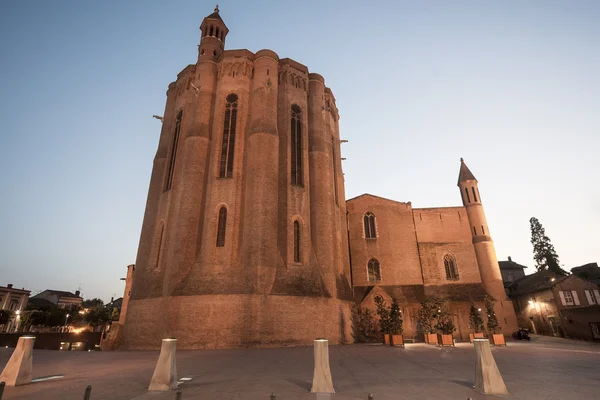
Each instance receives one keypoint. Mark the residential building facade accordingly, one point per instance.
(13, 300)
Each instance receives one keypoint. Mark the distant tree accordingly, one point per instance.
(395, 319)
(492, 321)
(32, 318)
(5, 316)
(98, 316)
(384, 315)
(475, 320)
(90, 303)
(364, 326)
(543, 251)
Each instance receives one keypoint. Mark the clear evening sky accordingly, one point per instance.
(511, 86)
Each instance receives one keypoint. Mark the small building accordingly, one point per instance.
(511, 271)
(60, 298)
(589, 272)
(552, 305)
(13, 300)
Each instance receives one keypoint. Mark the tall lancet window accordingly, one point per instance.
(222, 224)
(174, 151)
(451, 268)
(296, 145)
(374, 270)
(370, 226)
(296, 241)
(228, 144)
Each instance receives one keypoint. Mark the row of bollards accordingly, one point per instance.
(18, 370)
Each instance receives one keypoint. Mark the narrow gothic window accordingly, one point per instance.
(369, 221)
(174, 151)
(296, 145)
(468, 197)
(228, 144)
(474, 195)
(474, 231)
(333, 159)
(374, 270)
(296, 241)
(221, 227)
(482, 230)
(451, 268)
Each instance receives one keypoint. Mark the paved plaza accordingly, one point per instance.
(545, 368)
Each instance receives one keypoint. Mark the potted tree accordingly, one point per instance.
(384, 318)
(493, 327)
(444, 325)
(395, 324)
(427, 316)
(475, 323)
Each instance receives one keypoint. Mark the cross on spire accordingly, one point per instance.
(217, 8)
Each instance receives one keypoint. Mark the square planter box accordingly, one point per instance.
(397, 340)
(476, 336)
(445, 340)
(386, 339)
(431, 338)
(497, 339)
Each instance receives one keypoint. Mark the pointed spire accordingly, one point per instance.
(465, 173)
(215, 14)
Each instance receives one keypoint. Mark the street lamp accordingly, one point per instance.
(66, 319)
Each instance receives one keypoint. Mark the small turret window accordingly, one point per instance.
(467, 193)
(474, 231)
(296, 146)
(482, 230)
(211, 31)
(221, 226)
(374, 270)
(451, 268)
(174, 151)
(228, 143)
(474, 195)
(334, 170)
(369, 222)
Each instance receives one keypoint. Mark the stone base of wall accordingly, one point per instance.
(240, 320)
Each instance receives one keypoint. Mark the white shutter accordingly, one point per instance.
(597, 294)
(588, 295)
(562, 298)
(575, 297)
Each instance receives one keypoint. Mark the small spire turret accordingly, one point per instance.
(214, 31)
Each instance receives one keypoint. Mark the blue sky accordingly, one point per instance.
(511, 86)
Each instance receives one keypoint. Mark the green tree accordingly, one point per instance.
(395, 319)
(364, 326)
(444, 322)
(92, 303)
(492, 321)
(97, 316)
(5, 316)
(427, 315)
(544, 254)
(384, 315)
(475, 320)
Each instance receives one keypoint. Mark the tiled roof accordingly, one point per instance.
(510, 265)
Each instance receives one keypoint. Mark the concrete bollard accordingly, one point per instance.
(487, 376)
(19, 367)
(273, 397)
(1, 389)
(165, 373)
(87, 395)
(179, 394)
(322, 374)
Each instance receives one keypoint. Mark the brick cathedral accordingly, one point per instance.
(247, 238)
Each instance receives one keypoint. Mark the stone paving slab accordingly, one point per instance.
(541, 369)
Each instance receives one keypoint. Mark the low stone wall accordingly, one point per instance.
(52, 341)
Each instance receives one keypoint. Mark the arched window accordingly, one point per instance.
(296, 145)
(211, 31)
(217, 32)
(228, 144)
(221, 227)
(174, 151)
(451, 268)
(296, 241)
(474, 195)
(374, 270)
(369, 221)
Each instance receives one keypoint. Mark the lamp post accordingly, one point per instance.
(66, 319)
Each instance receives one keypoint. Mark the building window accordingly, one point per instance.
(374, 270)
(451, 268)
(334, 169)
(590, 297)
(221, 227)
(174, 150)
(369, 221)
(482, 230)
(567, 298)
(474, 195)
(468, 197)
(474, 231)
(296, 241)
(228, 144)
(296, 145)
